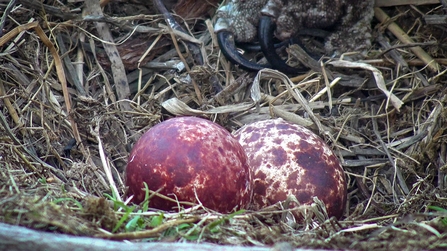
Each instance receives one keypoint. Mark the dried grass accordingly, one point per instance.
(69, 117)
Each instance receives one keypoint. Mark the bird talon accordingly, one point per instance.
(265, 32)
(248, 21)
(227, 46)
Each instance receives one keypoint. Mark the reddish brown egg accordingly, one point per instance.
(190, 158)
(288, 159)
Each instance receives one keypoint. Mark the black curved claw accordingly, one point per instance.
(255, 47)
(229, 50)
(265, 34)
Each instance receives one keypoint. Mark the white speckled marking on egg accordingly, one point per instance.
(191, 158)
(287, 159)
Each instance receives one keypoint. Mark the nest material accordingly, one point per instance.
(71, 109)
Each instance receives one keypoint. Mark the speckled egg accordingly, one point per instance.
(190, 158)
(288, 159)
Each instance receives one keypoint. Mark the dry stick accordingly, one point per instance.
(173, 25)
(107, 85)
(170, 20)
(442, 170)
(80, 61)
(105, 163)
(140, 70)
(399, 59)
(394, 47)
(300, 54)
(125, 23)
(196, 87)
(398, 173)
(411, 62)
(384, 3)
(62, 78)
(435, 20)
(71, 73)
(15, 238)
(8, 104)
(51, 10)
(117, 66)
(240, 84)
(404, 38)
(16, 141)
(6, 12)
(58, 64)
(394, 54)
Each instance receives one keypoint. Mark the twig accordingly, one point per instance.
(402, 36)
(15, 238)
(397, 171)
(11, 135)
(398, 58)
(170, 20)
(71, 72)
(53, 11)
(387, 3)
(6, 12)
(117, 66)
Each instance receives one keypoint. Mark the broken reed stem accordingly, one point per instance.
(404, 38)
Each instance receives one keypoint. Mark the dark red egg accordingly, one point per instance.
(190, 158)
(288, 159)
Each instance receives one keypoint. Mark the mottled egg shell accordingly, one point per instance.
(191, 158)
(288, 159)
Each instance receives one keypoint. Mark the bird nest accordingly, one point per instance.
(79, 84)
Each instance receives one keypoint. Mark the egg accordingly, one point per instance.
(288, 159)
(190, 159)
